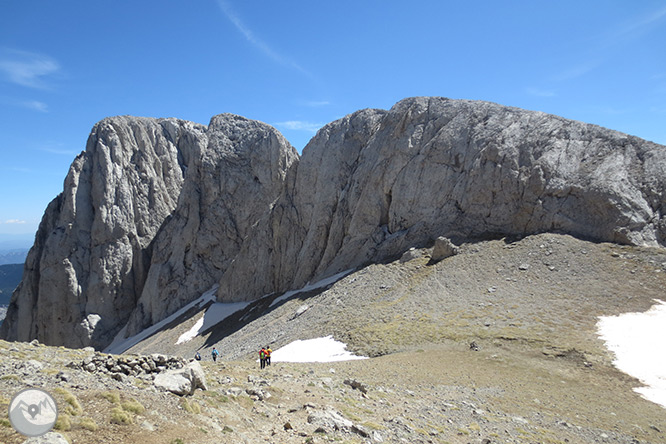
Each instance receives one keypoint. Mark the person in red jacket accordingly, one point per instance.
(268, 354)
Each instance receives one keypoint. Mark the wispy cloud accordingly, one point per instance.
(18, 169)
(299, 125)
(316, 103)
(27, 68)
(59, 151)
(538, 92)
(256, 41)
(15, 222)
(643, 23)
(576, 71)
(35, 105)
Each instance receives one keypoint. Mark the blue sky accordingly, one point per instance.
(300, 64)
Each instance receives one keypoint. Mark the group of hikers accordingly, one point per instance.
(264, 356)
(214, 354)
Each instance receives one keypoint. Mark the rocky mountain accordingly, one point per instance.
(157, 211)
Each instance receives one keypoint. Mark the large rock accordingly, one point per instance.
(183, 381)
(157, 211)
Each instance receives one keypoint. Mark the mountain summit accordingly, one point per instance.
(157, 211)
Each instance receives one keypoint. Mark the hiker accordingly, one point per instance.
(214, 353)
(268, 354)
(197, 356)
(262, 357)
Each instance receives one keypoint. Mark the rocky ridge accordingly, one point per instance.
(157, 211)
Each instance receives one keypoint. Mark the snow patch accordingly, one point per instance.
(636, 340)
(215, 314)
(314, 350)
(121, 344)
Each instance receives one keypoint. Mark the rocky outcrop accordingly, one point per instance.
(90, 256)
(375, 183)
(157, 211)
(151, 214)
(231, 183)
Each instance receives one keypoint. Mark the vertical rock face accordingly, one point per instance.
(155, 212)
(375, 183)
(151, 214)
(228, 188)
(89, 256)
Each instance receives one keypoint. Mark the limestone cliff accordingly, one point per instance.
(156, 211)
(375, 183)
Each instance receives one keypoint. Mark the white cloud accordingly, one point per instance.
(26, 68)
(15, 222)
(68, 153)
(540, 92)
(576, 71)
(299, 125)
(642, 24)
(58, 148)
(316, 103)
(35, 105)
(254, 40)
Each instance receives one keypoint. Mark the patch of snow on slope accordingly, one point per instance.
(213, 315)
(640, 351)
(121, 344)
(314, 350)
(309, 287)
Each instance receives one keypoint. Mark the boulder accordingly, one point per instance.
(443, 248)
(329, 418)
(183, 381)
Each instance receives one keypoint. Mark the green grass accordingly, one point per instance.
(112, 397)
(190, 406)
(88, 424)
(133, 406)
(73, 407)
(120, 416)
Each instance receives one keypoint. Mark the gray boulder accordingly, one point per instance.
(443, 248)
(330, 419)
(151, 215)
(183, 381)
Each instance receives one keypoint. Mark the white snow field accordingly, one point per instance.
(639, 343)
(314, 350)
